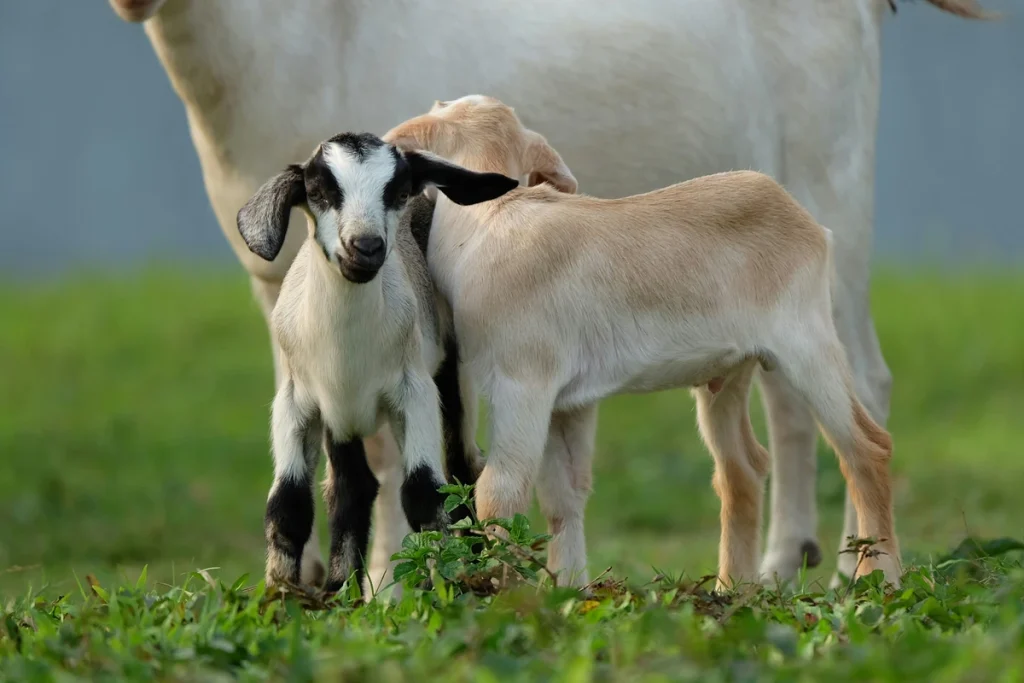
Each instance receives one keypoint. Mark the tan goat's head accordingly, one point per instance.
(483, 133)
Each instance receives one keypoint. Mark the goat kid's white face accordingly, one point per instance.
(356, 193)
(356, 187)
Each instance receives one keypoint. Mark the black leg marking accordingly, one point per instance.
(458, 454)
(288, 524)
(457, 459)
(350, 491)
(422, 502)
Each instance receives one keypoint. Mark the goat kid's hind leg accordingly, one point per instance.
(563, 487)
(822, 375)
(741, 465)
(458, 414)
(418, 430)
(288, 522)
(350, 489)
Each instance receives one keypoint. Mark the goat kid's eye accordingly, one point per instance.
(403, 197)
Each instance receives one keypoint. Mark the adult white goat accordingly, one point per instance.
(560, 300)
(635, 95)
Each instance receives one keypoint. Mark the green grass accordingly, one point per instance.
(133, 432)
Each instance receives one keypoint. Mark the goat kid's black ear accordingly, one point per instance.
(263, 220)
(459, 184)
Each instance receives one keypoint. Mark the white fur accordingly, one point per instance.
(635, 95)
(362, 212)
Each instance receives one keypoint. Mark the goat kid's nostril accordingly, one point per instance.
(366, 246)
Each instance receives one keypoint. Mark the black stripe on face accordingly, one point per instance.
(350, 491)
(288, 523)
(396, 192)
(422, 502)
(322, 189)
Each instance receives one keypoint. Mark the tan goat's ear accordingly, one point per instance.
(421, 132)
(545, 165)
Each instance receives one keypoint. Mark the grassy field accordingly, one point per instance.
(134, 433)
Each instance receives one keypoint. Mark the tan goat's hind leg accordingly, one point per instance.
(741, 465)
(864, 449)
(873, 382)
(864, 462)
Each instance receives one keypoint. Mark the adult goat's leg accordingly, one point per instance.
(793, 521)
(741, 465)
(828, 163)
(563, 487)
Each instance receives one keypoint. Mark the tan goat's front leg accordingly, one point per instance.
(563, 487)
(520, 415)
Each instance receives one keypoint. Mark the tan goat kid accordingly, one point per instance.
(563, 299)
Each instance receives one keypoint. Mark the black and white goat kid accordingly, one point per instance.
(363, 336)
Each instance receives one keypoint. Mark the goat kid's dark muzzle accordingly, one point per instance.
(361, 258)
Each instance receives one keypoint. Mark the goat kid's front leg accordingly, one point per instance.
(416, 422)
(288, 522)
(350, 489)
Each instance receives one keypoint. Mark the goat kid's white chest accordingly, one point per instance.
(349, 347)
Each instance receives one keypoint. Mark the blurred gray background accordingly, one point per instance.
(97, 168)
